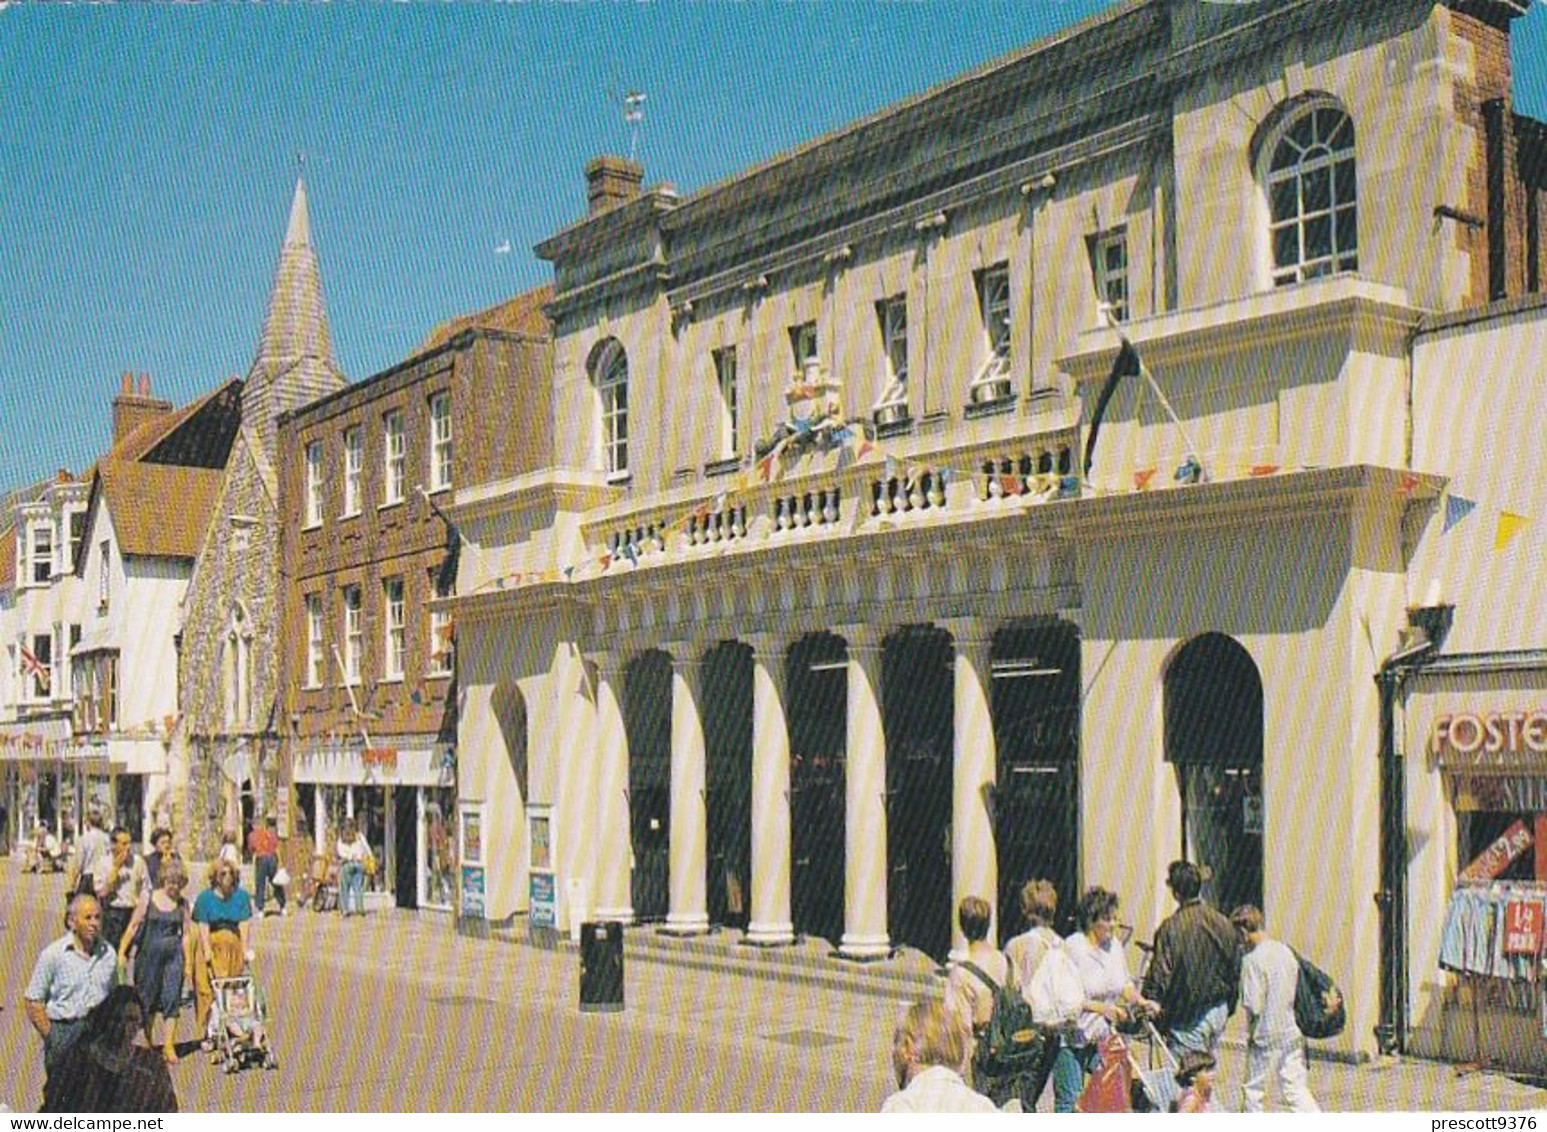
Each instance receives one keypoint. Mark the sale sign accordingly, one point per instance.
(1522, 928)
(1497, 857)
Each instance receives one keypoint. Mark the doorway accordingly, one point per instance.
(727, 714)
(1035, 668)
(918, 713)
(816, 670)
(405, 846)
(647, 722)
(1213, 738)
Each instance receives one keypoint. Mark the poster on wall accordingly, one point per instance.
(542, 839)
(1497, 857)
(545, 904)
(472, 834)
(472, 892)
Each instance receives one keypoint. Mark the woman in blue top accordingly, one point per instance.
(222, 914)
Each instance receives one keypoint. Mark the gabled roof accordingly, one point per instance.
(161, 508)
(522, 314)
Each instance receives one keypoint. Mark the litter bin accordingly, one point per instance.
(601, 966)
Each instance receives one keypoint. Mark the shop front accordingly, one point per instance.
(1477, 942)
(403, 798)
(47, 780)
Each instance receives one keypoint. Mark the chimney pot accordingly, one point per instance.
(611, 181)
(144, 385)
(127, 387)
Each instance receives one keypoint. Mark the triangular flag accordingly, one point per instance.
(865, 448)
(1012, 484)
(1509, 526)
(569, 573)
(1141, 479)
(1409, 481)
(630, 553)
(606, 561)
(1262, 469)
(1456, 509)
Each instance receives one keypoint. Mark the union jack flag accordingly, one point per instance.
(36, 668)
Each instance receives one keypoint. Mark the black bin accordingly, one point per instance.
(601, 966)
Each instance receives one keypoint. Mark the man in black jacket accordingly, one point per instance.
(1196, 972)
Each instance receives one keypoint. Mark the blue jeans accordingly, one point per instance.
(1202, 1035)
(263, 869)
(351, 884)
(1070, 1069)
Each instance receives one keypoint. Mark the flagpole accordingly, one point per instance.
(354, 704)
(1105, 310)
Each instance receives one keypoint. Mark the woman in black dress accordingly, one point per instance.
(162, 960)
(105, 1070)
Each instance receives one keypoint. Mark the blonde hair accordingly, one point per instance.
(928, 1034)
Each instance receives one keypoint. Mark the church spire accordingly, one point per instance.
(294, 362)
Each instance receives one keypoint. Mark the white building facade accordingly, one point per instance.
(819, 622)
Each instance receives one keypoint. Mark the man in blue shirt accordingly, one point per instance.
(71, 976)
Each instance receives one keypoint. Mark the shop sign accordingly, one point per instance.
(1501, 794)
(1497, 857)
(1485, 739)
(472, 892)
(1522, 928)
(545, 908)
(472, 834)
(384, 757)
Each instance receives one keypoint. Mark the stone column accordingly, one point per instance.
(864, 907)
(974, 854)
(688, 913)
(770, 924)
(611, 896)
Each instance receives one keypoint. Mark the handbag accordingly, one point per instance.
(281, 877)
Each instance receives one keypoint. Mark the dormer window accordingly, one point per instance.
(609, 377)
(42, 560)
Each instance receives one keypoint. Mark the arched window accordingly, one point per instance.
(1313, 219)
(609, 374)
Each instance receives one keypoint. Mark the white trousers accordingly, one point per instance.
(1286, 1061)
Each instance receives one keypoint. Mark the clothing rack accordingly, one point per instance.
(1472, 979)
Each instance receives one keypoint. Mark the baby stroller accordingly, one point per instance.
(237, 1029)
(1154, 1079)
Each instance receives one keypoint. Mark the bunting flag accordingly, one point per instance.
(1141, 479)
(1262, 470)
(1456, 509)
(1126, 364)
(631, 554)
(1510, 525)
(606, 561)
(865, 447)
(416, 696)
(1408, 482)
(569, 573)
(1012, 484)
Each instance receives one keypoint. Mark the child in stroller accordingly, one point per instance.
(236, 1025)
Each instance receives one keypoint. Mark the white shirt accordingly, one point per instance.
(937, 1089)
(1269, 974)
(1026, 952)
(356, 850)
(1104, 973)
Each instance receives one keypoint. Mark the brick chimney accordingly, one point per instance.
(611, 181)
(134, 406)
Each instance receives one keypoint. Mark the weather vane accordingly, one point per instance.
(633, 114)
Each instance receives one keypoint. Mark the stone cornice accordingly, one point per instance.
(1343, 304)
(565, 489)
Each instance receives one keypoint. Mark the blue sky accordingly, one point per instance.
(148, 154)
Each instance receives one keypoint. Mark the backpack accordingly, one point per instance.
(1011, 1043)
(1056, 992)
(1319, 1008)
